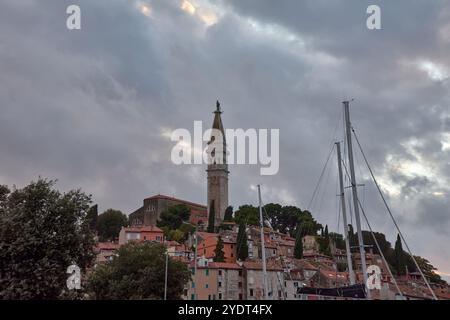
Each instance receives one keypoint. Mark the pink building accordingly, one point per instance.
(141, 233)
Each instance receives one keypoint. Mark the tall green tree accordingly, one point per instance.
(429, 270)
(228, 214)
(352, 237)
(42, 233)
(109, 224)
(92, 216)
(211, 218)
(298, 249)
(248, 215)
(219, 255)
(241, 243)
(138, 272)
(400, 261)
(338, 240)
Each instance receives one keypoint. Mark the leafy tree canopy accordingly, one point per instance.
(174, 216)
(138, 272)
(109, 224)
(42, 233)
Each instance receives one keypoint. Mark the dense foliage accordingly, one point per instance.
(42, 233)
(109, 224)
(138, 272)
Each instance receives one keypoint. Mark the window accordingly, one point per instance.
(232, 255)
(220, 296)
(240, 296)
(207, 272)
(251, 292)
(193, 285)
(219, 284)
(133, 235)
(158, 238)
(192, 296)
(145, 237)
(240, 284)
(279, 293)
(220, 272)
(206, 286)
(232, 246)
(240, 273)
(209, 297)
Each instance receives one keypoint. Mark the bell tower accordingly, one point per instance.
(217, 171)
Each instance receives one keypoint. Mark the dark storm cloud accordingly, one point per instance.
(90, 107)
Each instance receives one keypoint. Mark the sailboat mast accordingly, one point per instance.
(344, 215)
(263, 247)
(355, 193)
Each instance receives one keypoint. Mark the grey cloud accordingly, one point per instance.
(87, 107)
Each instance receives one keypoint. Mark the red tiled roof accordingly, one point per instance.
(107, 246)
(171, 243)
(334, 274)
(142, 229)
(161, 196)
(224, 265)
(206, 235)
(305, 264)
(257, 265)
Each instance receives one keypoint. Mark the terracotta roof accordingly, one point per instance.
(142, 229)
(442, 294)
(163, 197)
(304, 264)
(257, 265)
(334, 274)
(206, 235)
(107, 246)
(224, 265)
(171, 243)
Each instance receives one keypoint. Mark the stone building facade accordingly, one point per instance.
(149, 213)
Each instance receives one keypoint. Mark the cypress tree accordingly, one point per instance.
(298, 249)
(211, 218)
(219, 255)
(92, 216)
(228, 214)
(241, 243)
(399, 257)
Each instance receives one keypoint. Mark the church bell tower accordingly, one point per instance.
(217, 171)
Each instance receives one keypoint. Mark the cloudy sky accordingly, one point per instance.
(94, 107)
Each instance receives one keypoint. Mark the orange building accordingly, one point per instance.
(142, 233)
(207, 244)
